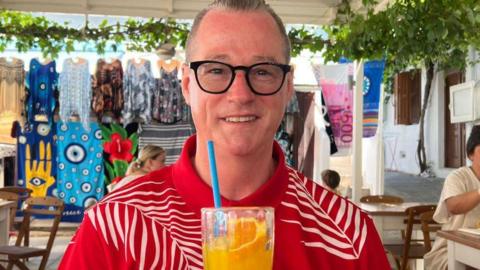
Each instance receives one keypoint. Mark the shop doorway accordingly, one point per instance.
(454, 132)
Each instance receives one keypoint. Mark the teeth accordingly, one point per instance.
(240, 119)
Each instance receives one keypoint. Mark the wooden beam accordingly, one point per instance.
(170, 6)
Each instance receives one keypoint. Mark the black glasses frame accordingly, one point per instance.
(285, 68)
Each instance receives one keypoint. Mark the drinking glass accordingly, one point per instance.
(238, 238)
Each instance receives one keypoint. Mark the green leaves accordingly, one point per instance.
(408, 33)
(106, 133)
(27, 32)
(120, 167)
(116, 128)
(134, 138)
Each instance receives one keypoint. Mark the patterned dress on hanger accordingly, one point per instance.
(168, 100)
(107, 87)
(12, 88)
(12, 97)
(36, 158)
(138, 92)
(75, 91)
(41, 85)
(80, 164)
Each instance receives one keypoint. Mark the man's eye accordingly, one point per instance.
(37, 181)
(262, 72)
(218, 71)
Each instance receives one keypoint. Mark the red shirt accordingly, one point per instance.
(154, 223)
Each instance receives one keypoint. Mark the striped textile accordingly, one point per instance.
(169, 137)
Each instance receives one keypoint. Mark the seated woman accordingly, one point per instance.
(150, 158)
(331, 180)
(459, 204)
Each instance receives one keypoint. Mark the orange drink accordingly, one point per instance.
(238, 238)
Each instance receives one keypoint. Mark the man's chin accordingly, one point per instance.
(241, 147)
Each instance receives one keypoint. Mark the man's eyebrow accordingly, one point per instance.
(218, 57)
(257, 58)
(269, 59)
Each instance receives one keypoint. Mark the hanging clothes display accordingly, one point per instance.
(338, 93)
(107, 88)
(169, 137)
(75, 91)
(284, 133)
(41, 86)
(169, 105)
(328, 127)
(80, 179)
(372, 81)
(12, 96)
(139, 85)
(36, 158)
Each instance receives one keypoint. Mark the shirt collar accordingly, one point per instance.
(198, 194)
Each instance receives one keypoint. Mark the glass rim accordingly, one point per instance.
(230, 208)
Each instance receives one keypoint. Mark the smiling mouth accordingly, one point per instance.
(240, 119)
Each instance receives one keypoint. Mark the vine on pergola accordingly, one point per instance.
(27, 31)
(431, 34)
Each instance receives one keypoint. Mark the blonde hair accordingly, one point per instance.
(148, 152)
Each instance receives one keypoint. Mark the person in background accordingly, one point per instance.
(459, 204)
(150, 158)
(331, 180)
(238, 82)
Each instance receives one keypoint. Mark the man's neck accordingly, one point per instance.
(238, 176)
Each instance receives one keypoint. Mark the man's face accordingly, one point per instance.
(475, 156)
(238, 120)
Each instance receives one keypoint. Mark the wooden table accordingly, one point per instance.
(387, 216)
(463, 249)
(5, 220)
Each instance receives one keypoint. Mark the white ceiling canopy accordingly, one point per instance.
(319, 12)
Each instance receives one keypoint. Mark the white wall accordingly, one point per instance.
(400, 141)
(370, 164)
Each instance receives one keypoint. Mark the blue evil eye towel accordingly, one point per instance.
(80, 179)
(36, 158)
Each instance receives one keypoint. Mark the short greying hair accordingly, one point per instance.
(239, 5)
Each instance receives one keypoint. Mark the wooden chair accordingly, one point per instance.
(381, 199)
(39, 206)
(12, 197)
(411, 248)
(21, 194)
(428, 226)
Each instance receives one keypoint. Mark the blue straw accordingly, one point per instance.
(213, 173)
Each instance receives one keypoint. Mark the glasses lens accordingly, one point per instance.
(266, 78)
(214, 77)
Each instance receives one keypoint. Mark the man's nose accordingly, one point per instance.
(240, 90)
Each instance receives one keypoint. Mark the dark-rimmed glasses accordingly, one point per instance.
(216, 77)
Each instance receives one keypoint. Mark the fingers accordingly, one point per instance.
(41, 156)
(48, 161)
(27, 152)
(28, 167)
(34, 166)
(41, 150)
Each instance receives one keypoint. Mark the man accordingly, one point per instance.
(237, 82)
(459, 203)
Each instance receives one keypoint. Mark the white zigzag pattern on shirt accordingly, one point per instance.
(337, 241)
(146, 218)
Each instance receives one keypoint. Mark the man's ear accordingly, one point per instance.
(186, 83)
(290, 85)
